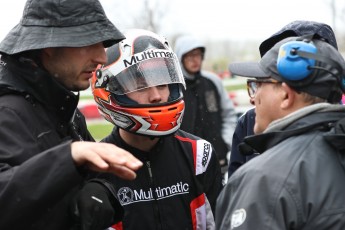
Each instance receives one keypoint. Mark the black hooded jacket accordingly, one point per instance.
(203, 113)
(37, 174)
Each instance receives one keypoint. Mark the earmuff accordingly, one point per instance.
(291, 65)
(297, 60)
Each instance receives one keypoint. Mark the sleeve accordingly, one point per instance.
(213, 180)
(229, 116)
(32, 180)
(256, 202)
(236, 158)
(244, 128)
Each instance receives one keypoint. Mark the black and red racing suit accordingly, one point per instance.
(175, 189)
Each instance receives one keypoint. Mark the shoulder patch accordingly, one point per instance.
(238, 217)
(203, 156)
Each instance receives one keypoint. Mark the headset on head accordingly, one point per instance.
(298, 59)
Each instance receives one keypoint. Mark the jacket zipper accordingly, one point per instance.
(155, 203)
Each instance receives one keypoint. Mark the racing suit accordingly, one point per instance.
(175, 189)
(298, 180)
(38, 120)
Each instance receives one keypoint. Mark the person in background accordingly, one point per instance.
(46, 151)
(297, 181)
(209, 113)
(139, 90)
(246, 122)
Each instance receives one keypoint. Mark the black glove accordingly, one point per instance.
(96, 207)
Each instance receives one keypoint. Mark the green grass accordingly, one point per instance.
(233, 84)
(100, 130)
(230, 88)
(86, 97)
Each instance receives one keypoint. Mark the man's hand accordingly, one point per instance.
(104, 157)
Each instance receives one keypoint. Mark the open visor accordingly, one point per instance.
(144, 74)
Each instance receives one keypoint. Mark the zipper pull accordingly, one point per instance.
(148, 164)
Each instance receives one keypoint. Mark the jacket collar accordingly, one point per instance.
(35, 82)
(321, 120)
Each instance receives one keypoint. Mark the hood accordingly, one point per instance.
(185, 44)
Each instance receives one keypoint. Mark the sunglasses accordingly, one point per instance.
(254, 85)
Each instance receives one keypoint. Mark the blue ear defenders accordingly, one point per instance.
(298, 59)
(291, 65)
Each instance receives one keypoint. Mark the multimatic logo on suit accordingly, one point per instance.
(128, 196)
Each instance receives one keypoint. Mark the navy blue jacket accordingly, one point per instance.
(244, 128)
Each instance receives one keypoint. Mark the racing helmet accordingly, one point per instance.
(142, 60)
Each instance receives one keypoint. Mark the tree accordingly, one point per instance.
(147, 14)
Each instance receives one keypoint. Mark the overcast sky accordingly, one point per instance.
(210, 19)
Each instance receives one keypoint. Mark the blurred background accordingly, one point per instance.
(231, 30)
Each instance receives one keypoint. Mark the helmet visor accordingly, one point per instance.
(145, 74)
